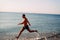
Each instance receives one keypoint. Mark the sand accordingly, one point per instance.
(31, 36)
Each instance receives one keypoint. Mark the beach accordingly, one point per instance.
(31, 36)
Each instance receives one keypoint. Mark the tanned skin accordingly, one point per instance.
(25, 23)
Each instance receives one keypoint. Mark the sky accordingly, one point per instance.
(30, 6)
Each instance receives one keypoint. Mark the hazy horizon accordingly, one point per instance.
(30, 6)
(30, 13)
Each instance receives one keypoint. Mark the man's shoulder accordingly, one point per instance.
(26, 18)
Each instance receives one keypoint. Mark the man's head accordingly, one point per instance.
(23, 16)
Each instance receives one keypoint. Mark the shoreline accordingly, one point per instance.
(32, 36)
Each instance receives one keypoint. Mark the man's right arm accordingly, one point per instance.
(21, 23)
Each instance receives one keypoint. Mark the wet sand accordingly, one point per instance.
(31, 36)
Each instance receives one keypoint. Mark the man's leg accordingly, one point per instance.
(31, 30)
(20, 33)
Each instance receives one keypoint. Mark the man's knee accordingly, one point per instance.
(30, 31)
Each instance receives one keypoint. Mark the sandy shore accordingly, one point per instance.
(31, 36)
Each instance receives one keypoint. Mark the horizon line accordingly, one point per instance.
(31, 12)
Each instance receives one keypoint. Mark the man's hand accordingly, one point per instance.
(29, 24)
(19, 24)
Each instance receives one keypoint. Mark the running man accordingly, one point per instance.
(25, 23)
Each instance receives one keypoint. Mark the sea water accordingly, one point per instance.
(44, 23)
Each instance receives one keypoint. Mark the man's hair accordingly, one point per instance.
(23, 15)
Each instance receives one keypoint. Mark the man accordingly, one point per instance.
(25, 23)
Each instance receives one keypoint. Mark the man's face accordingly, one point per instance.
(23, 16)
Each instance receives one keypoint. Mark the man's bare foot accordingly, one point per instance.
(17, 38)
(36, 31)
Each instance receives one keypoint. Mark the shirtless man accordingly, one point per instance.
(25, 23)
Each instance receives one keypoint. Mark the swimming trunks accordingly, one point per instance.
(26, 27)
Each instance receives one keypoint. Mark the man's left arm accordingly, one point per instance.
(29, 23)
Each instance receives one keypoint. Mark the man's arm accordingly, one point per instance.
(29, 23)
(21, 23)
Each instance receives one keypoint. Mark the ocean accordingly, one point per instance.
(44, 23)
